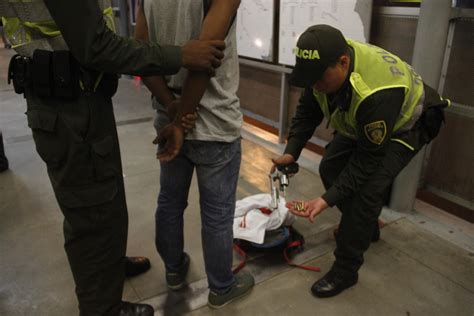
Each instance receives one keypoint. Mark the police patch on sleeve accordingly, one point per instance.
(376, 131)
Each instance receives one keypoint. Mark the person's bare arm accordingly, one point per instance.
(215, 27)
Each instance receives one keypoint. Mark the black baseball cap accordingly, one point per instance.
(317, 48)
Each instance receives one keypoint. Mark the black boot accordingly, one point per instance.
(3, 158)
(133, 309)
(136, 265)
(332, 284)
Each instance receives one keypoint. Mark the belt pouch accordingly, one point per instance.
(18, 73)
(41, 73)
(65, 78)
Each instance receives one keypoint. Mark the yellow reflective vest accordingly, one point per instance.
(375, 69)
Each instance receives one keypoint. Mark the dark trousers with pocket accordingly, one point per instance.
(360, 212)
(78, 142)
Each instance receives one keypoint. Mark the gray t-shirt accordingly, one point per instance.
(174, 22)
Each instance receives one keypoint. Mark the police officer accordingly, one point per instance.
(382, 113)
(67, 55)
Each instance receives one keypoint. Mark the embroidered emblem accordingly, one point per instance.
(376, 132)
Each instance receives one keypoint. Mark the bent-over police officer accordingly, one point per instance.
(68, 54)
(382, 113)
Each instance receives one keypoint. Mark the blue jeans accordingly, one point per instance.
(217, 167)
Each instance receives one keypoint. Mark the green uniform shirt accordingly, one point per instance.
(95, 46)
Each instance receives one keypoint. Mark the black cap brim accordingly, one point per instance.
(305, 75)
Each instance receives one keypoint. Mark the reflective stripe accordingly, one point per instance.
(109, 18)
(403, 143)
(29, 26)
(47, 28)
(26, 37)
(413, 116)
(15, 32)
(51, 44)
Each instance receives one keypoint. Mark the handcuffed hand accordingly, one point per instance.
(188, 121)
(171, 140)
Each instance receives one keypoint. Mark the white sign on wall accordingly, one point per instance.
(255, 29)
(352, 17)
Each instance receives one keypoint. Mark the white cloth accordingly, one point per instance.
(250, 223)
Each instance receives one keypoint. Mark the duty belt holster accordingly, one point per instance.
(65, 75)
(19, 73)
(41, 70)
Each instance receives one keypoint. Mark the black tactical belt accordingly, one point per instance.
(58, 75)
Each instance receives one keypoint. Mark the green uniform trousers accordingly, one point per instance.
(78, 142)
(360, 212)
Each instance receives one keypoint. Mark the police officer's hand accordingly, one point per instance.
(283, 160)
(188, 121)
(203, 55)
(309, 209)
(171, 140)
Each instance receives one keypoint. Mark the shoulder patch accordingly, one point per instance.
(376, 131)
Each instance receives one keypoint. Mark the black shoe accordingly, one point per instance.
(136, 265)
(332, 284)
(177, 280)
(242, 286)
(133, 309)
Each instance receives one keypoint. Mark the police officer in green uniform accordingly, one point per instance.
(67, 55)
(382, 113)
